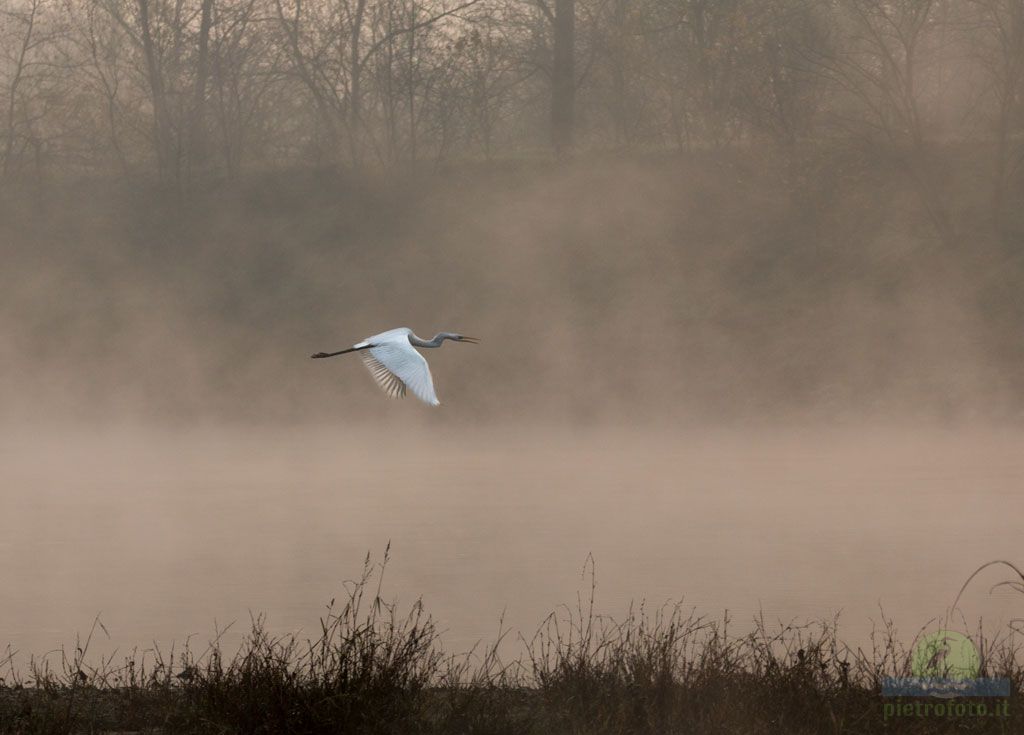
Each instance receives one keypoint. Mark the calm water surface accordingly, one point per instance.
(167, 533)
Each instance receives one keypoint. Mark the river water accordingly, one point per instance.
(168, 533)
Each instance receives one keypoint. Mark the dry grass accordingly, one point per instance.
(374, 669)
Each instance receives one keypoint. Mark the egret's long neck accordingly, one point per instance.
(435, 342)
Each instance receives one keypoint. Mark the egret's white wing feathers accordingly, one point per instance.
(396, 361)
(387, 380)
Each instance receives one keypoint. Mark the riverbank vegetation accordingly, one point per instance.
(376, 669)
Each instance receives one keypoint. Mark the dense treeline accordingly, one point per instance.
(794, 202)
(187, 88)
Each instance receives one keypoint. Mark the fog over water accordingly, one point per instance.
(165, 532)
(748, 277)
(722, 391)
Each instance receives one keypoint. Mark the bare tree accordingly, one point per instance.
(698, 47)
(997, 35)
(488, 67)
(100, 44)
(247, 69)
(187, 88)
(778, 92)
(197, 114)
(332, 45)
(25, 35)
(879, 70)
(563, 75)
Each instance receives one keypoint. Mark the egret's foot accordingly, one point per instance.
(319, 354)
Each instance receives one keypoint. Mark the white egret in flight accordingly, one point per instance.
(396, 366)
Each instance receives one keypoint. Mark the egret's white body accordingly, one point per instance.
(396, 365)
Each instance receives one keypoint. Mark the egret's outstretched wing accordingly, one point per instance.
(387, 380)
(396, 366)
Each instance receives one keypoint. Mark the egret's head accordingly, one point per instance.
(461, 338)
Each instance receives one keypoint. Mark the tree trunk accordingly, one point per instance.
(197, 121)
(355, 91)
(161, 124)
(563, 77)
(411, 90)
(12, 97)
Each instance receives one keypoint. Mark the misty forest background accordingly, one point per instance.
(657, 209)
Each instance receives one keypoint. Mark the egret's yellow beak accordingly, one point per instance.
(471, 340)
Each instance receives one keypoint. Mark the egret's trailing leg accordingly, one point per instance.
(340, 352)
